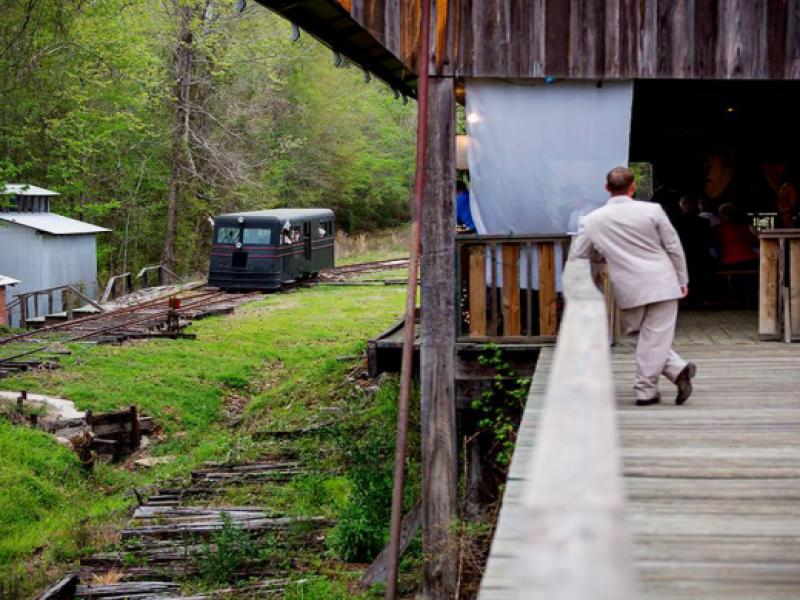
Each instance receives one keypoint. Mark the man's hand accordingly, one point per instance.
(684, 291)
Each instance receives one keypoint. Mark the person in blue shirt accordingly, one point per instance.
(463, 214)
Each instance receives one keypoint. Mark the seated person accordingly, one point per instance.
(695, 234)
(788, 214)
(286, 235)
(737, 239)
(463, 213)
(704, 207)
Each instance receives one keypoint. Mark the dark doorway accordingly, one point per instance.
(724, 154)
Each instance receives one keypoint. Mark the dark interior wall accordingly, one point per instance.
(730, 141)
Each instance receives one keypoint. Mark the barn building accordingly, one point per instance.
(44, 250)
(701, 93)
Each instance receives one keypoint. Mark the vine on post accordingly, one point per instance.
(500, 406)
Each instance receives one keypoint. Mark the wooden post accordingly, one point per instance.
(23, 309)
(477, 291)
(136, 436)
(548, 310)
(511, 302)
(3, 312)
(794, 285)
(437, 365)
(768, 290)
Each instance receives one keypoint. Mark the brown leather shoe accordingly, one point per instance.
(684, 383)
(650, 401)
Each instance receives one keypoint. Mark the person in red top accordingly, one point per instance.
(737, 239)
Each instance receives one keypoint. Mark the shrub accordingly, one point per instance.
(363, 525)
(228, 549)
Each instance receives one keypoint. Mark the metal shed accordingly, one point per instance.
(42, 249)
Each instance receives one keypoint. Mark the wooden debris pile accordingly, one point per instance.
(14, 367)
(173, 531)
(112, 435)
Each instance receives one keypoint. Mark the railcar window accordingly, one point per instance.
(326, 229)
(227, 235)
(260, 237)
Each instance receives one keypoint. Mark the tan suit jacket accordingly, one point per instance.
(641, 247)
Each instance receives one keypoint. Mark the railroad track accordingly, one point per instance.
(149, 318)
(378, 265)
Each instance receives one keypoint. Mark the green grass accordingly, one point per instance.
(286, 356)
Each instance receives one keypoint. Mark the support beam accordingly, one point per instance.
(3, 314)
(768, 291)
(437, 365)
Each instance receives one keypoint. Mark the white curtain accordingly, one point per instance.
(539, 153)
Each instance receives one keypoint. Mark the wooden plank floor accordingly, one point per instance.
(713, 486)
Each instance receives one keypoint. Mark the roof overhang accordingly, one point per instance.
(24, 189)
(332, 25)
(7, 281)
(51, 223)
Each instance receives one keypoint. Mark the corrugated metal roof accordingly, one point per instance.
(51, 223)
(6, 281)
(23, 189)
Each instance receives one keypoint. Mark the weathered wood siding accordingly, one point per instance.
(696, 39)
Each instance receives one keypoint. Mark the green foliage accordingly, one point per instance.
(317, 588)
(362, 529)
(280, 353)
(88, 103)
(500, 407)
(227, 551)
(44, 494)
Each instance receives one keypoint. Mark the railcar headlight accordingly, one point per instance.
(240, 219)
(238, 244)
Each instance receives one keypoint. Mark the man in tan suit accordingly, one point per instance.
(648, 273)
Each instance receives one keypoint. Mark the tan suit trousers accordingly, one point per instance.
(653, 326)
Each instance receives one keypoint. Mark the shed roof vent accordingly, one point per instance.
(21, 197)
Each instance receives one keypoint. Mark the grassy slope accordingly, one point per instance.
(282, 354)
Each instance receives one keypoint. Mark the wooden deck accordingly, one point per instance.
(713, 486)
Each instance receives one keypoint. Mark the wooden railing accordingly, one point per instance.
(119, 285)
(161, 272)
(507, 287)
(36, 303)
(575, 541)
(779, 285)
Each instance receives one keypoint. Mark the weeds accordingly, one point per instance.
(500, 407)
(226, 552)
(377, 245)
(362, 529)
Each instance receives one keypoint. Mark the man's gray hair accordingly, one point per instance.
(618, 180)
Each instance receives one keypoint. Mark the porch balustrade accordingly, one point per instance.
(779, 285)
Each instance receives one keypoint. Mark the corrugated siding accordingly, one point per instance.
(43, 261)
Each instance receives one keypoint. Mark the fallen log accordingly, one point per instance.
(206, 529)
(128, 589)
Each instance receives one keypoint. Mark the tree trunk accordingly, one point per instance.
(182, 61)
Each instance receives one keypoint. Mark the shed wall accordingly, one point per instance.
(42, 261)
(609, 39)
